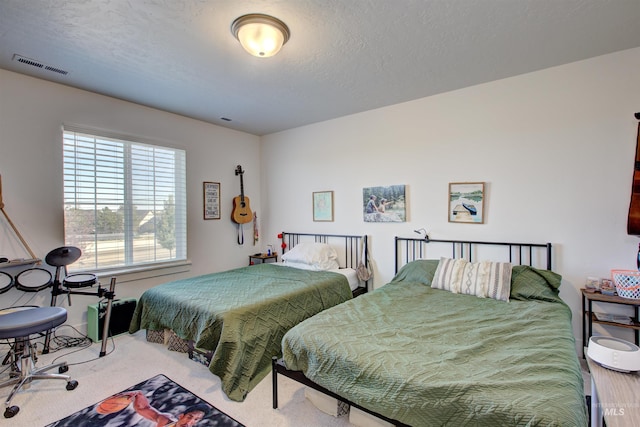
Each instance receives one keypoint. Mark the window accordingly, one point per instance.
(124, 201)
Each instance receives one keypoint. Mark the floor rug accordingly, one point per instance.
(156, 401)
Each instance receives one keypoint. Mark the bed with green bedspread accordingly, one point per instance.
(429, 357)
(240, 314)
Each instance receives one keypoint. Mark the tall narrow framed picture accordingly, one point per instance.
(211, 199)
(466, 202)
(323, 206)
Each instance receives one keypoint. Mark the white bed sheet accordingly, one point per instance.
(349, 273)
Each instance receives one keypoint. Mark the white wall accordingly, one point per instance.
(555, 147)
(32, 112)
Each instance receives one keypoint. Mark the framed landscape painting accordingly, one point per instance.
(384, 204)
(466, 202)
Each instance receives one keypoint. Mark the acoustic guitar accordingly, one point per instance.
(242, 212)
(633, 221)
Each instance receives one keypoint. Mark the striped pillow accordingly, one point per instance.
(483, 279)
(448, 275)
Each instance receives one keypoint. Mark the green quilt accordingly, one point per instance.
(428, 357)
(241, 314)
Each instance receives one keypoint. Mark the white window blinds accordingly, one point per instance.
(124, 201)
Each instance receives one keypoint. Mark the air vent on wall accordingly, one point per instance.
(39, 64)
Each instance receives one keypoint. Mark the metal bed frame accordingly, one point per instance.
(353, 249)
(531, 254)
(410, 249)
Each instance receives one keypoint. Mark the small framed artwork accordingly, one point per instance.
(466, 202)
(211, 199)
(323, 205)
(384, 204)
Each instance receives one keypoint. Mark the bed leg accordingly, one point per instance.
(274, 381)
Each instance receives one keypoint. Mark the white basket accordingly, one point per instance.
(627, 283)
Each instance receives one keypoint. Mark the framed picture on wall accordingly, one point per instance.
(323, 205)
(211, 199)
(466, 202)
(384, 204)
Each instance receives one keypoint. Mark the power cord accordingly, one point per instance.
(86, 343)
(66, 341)
(7, 361)
(61, 342)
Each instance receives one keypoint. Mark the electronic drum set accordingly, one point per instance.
(61, 283)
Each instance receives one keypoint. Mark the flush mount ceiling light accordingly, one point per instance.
(260, 35)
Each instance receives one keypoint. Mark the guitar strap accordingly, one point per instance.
(240, 235)
(256, 235)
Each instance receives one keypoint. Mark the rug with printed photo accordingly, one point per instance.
(157, 401)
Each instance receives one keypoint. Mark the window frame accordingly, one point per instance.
(177, 261)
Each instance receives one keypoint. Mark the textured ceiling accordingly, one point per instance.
(344, 56)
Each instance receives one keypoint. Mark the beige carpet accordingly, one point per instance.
(135, 360)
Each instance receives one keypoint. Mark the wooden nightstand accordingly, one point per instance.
(589, 318)
(262, 259)
(614, 395)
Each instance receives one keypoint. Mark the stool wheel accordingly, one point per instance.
(11, 411)
(71, 385)
(62, 369)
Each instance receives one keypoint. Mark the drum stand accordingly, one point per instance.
(57, 289)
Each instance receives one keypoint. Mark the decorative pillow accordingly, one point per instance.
(421, 271)
(483, 279)
(448, 275)
(530, 283)
(319, 255)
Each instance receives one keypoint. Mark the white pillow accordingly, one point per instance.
(321, 256)
(483, 279)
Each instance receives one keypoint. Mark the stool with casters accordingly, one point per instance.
(19, 326)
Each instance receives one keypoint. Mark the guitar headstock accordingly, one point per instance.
(239, 170)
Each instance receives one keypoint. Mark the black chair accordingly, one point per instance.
(19, 325)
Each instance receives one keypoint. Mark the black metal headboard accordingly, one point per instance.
(532, 254)
(350, 248)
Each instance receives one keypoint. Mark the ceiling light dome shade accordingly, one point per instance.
(260, 35)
